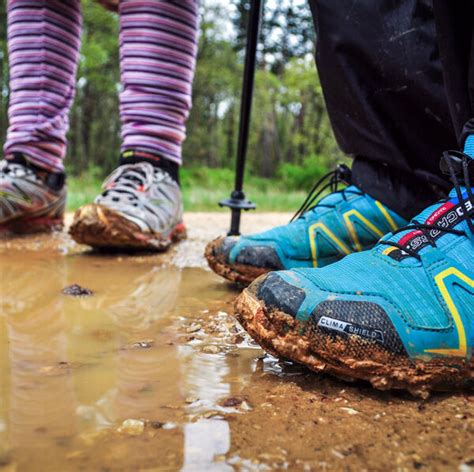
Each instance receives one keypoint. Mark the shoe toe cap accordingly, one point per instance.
(259, 256)
(223, 247)
(246, 252)
(220, 248)
(277, 293)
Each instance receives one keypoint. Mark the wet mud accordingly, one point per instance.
(153, 373)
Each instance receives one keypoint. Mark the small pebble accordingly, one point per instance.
(350, 411)
(169, 426)
(232, 401)
(210, 349)
(147, 344)
(337, 454)
(194, 328)
(76, 290)
(237, 339)
(156, 424)
(132, 427)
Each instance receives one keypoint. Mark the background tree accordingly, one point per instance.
(290, 134)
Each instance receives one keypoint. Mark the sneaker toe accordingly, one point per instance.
(222, 247)
(259, 256)
(352, 324)
(278, 294)
(239, 260)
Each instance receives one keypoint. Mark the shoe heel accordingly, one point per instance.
(179, 233)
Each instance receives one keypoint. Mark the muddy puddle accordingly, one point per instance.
(149, 372)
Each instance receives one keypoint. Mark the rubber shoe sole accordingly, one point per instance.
(100, 227)
(32, 225)
(238, 273)
(282, 336)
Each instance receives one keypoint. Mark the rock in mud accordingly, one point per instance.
(76, 290)
(211, 349)
(145, 344)
(193, 328)
(132, 427)
(349, 411)
(232, 402)
(156, 424)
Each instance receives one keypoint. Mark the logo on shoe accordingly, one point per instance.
(350, 328)
(446, 216)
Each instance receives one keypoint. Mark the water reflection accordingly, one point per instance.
(147, 378)
(204, 442)
(71, 366)
(41, 399)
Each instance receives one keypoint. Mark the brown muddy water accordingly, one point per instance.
(150, 372)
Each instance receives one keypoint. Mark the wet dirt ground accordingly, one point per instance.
(148, 371)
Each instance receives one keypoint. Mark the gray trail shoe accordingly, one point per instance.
(30, 200)
(140, 208)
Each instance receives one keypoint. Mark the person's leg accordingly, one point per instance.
(158, 47)
(455, 26)
(400, 315)
(142, 206)
(379, 66)
(43, 47)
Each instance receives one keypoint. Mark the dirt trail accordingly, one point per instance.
(147, 370)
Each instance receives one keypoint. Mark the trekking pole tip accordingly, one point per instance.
(237, 202)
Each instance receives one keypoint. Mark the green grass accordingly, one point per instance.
(202, 189)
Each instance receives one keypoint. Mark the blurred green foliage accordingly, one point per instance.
(202, 188)
(291, 142)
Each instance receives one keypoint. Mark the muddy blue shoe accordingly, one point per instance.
(341, 223)
(400, 315)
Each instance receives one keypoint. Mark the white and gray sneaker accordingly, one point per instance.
(31, 200)
(140, 208)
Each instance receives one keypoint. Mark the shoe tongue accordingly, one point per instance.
(447, 214)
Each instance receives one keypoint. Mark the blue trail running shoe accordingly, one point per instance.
(343, 222)
(400, 315)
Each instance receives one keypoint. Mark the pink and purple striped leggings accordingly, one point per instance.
(158, 45)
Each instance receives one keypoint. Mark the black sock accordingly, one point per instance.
(133, 156)
(54, 180)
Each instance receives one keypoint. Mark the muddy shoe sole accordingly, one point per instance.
(33, 225)
(101, 227)
(282, 336)
(237, 273)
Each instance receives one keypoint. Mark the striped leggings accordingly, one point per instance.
(158, 46)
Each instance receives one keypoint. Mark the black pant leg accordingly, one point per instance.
(380, 69)
(455, 28)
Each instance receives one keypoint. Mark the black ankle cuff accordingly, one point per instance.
(54, 180)
(133, 156)
(405, 193)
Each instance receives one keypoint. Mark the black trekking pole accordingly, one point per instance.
(237, 201)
